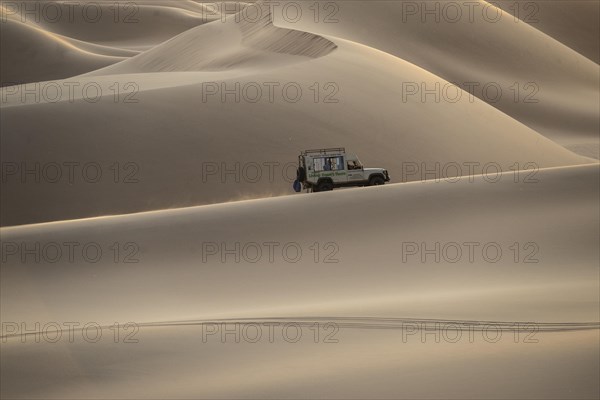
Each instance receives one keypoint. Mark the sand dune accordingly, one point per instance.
(183, 281)
(36, 55)
(67, 39)
(557, 88)
(177, 287)
(137, 25)
(363, 364)
(572, 22)
(225, 46)
(476, 279)
(549, 96)
(172, 144)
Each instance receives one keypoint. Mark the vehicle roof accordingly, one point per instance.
(324, 152)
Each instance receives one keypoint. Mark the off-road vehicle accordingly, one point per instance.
(321, 170)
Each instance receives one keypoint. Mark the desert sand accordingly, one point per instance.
(361, 88)
(370, 292)
(166, 115)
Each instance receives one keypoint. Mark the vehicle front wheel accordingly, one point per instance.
(376, 181)
(324, 186)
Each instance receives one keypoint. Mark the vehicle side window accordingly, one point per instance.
(328, 164)
(319, 164)
(352, 164)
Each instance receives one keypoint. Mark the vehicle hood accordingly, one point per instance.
(371, 170)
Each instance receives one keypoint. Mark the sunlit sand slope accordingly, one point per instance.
(181, 148)
(514, 66)
(376, 296)
(553, 278)
(30, 54)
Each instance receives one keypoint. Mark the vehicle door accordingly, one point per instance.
(355, 170)
(337, 169)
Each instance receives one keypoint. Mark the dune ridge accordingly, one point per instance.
(574, 23)
(568, 117)
(225, 45)
(262, 34)
(72, 45)
(63, 57)
(557, 92)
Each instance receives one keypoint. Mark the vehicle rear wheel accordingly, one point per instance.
(324, 186)
(376, 181)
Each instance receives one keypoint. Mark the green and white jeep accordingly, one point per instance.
(325, 169)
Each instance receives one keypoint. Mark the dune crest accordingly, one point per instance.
(544, 84)
(263, 35)
(238, 42)
(37, 55)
